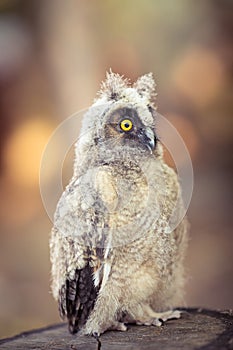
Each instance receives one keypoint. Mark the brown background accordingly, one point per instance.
(53, 55)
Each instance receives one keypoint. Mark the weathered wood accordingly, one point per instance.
(197, 329)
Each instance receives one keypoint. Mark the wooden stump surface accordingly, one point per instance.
(197, 329)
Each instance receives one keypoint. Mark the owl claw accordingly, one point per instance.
(159, 318)
(96, 335)
(119, 326)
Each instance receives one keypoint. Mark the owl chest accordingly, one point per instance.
(113, 189)
(132, 190)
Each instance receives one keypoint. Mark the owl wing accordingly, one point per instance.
(77, 245)
(77, 298)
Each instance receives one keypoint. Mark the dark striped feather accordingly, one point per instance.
(77, 298)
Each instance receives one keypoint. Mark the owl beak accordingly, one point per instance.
(147, 137)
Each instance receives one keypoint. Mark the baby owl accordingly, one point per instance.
(117, 245)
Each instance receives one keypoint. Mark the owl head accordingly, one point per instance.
(123, 114)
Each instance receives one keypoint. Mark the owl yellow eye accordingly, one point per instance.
(126, 125)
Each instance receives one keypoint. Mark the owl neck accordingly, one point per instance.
(126, 158)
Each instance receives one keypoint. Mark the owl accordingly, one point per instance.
(119, 240)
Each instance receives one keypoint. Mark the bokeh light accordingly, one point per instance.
(199, 75)
(23, 151)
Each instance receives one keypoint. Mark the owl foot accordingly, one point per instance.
(159, 318)
(98, 330)
(118, 326)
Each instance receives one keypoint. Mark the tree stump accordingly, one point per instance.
(197, 329)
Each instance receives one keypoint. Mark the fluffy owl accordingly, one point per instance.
(118, 243)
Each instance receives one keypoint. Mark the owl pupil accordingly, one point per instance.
(127, 125)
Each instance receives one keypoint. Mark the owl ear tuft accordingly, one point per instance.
(145, 86)
(113, 86)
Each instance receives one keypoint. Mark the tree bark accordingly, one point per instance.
(196, 329)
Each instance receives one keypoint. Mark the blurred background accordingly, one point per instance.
(53, 56)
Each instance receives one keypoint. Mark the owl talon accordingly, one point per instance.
(96, 335)
(119, 326)
(159, 319)
(116, 326)
(157, 322)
